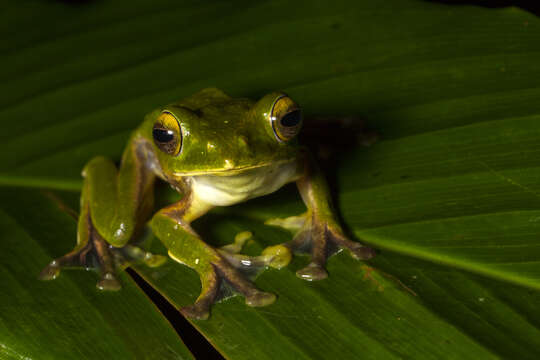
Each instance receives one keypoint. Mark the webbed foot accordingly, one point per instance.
(96, 254)
(218, 276)
(228, 270)
(321, 238)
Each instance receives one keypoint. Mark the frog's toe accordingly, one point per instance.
(96, 254)
(134, 253)
(239, 240)
(195, 312)
(293, 223)
(235, 279)
(260, 298)
(108, 282)
(222, 276)
(361, 252)
(155, 260)
(277, 256)
(76, 258)
(312, 272)
(357, 250)
(200, 310)
(50, 272)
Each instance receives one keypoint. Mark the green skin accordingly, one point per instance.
(229, 153)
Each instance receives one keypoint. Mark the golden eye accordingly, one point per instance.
(286, 118)
(167, 134)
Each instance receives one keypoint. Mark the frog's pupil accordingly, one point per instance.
(163, 135)
(291, 119)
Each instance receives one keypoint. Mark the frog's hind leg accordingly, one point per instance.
(218, 269)
(306, 230)
(94, 252)
(321, 231)
(91, 251)
(213, 279)
(317, 231)
(107, 210)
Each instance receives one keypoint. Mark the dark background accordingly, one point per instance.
(529, 5)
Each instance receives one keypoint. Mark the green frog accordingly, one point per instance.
(217, 151)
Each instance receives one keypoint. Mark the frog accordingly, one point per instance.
(216, 151)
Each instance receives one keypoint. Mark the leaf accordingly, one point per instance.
(394, 307)
(449, 195)
(67, 318)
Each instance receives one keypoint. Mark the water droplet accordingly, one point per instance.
(229, 164)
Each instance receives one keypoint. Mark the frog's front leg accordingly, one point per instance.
(317, 230)
(172, 226)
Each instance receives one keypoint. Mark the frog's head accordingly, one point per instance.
(210, 132)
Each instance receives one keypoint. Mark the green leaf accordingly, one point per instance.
(67, 318)
(472, 207)
(392, 308)
(449, 195)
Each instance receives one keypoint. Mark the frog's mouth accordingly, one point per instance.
(233, 170)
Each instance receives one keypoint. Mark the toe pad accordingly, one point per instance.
(363, 253)
(109, 283)
(260, 299)
(312, 272)
(50, 272)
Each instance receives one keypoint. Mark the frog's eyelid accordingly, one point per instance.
(276, 101)
(197, 112)
(178, 107)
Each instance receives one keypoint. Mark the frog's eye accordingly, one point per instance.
(286, 118)
(167, 135)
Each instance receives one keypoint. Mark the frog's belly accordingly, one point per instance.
(224, 190)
